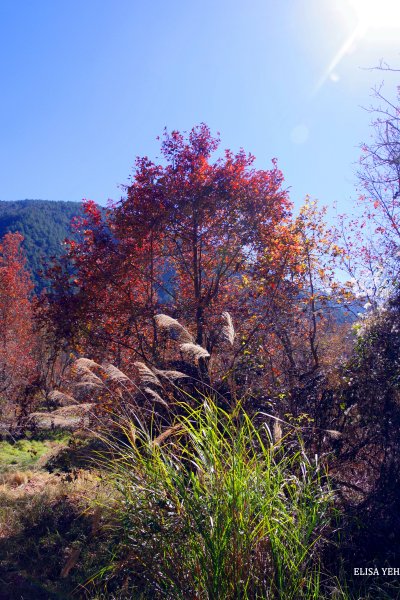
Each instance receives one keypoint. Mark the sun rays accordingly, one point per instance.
(370, 16)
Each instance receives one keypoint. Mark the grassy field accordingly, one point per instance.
(27, 453)
(210, 508)
(49, 525)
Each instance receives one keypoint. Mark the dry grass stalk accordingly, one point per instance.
(155, 396)
(228, 329)
(71, 562)
(85, 363)
(171, 375)
(335, 435)
(131, 433)
(166, 434)
(194, 351)
(146, 374)
(96, 521)
(61, 397)
(114, 373)
(174, 328)
(277, 432)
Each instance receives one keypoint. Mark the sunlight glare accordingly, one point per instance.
(374, 17)
(377, 14)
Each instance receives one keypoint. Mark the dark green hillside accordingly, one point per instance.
(44, 225)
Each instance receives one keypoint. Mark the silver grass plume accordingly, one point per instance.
(58, 396)
(146, 374)
(171, 375)
(89, 379)
(84, 368)
(335, 435)
(85, 363)
(174, 328)
(114, 373)
(277, 432)
(194, 351)
(155, 396)
(228, 329)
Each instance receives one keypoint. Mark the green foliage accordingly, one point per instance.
(212, 508)
(24, 453)
(44, 224)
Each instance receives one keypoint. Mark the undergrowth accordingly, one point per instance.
(212, 508)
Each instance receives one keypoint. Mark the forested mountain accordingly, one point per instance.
(44, 225)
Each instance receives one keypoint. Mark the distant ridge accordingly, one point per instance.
(44, 224)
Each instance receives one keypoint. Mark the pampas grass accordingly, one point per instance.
(155, 396)
(146, 375)
(170, 375)
(87, 378)
(174, 328)
(90, 380)
(61, 397)
(85, 364)
(114, 374)
(228, 330)
(194, 351)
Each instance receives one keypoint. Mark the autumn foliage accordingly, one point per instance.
(201, 288)
(192, 238)
(17, 338)
(185, 236)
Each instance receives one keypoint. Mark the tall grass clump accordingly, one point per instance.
(212, 508)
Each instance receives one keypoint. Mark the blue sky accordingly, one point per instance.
(88, 85)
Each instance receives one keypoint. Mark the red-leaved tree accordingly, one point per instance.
(194, 237)
(17, 338)
(182, 240)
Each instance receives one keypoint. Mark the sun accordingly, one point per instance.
(372, 20)
(377, 14)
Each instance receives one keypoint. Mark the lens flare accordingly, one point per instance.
(372, 19)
